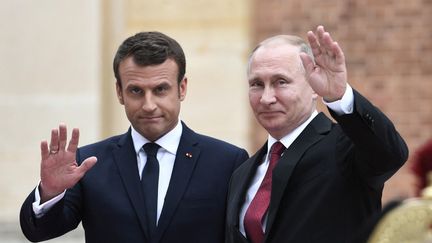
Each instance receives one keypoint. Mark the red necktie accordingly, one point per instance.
(260, 203)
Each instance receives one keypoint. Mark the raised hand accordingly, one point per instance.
(328, 75)
(59, 169)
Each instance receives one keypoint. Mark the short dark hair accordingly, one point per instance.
(150, 48)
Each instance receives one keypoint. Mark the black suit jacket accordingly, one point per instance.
(109, 199)
(328, 182)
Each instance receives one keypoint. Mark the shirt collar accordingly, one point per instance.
(169, 142)
(288, 139)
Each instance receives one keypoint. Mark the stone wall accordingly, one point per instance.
(388, 48)
(49, 69)
(56, 66)
(57, 55)
(215, 38)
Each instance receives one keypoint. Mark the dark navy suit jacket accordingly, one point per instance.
(328, 182)
(109, 199)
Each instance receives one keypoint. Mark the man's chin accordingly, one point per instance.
(151, 133)
(273, 129)
(270, 125)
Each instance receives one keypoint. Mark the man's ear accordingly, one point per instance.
(183, 88)
(314, 95)
(119, 93)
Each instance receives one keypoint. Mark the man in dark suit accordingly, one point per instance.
(329, 178)
(158, 182)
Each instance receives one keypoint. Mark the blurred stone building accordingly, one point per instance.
(56, 66)
(388, 48)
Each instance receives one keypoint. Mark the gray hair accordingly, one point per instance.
(284, 39)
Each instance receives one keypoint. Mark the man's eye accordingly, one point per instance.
(255, 84)
(282, 82)
(135, 90)
(161, 89)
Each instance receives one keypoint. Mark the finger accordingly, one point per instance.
(44, 150)
(308, 63)
(54, 142)
(73, 143)
(320, 33)
(325, 41)
(339, 55)
(86, 165)
(313, 42)
(62, 136)
(327, 44)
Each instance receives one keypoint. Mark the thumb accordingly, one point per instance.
(308, 63)
(87, 164)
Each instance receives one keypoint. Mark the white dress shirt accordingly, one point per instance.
(166, 157)
(342, 106)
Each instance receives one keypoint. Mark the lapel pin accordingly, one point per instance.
(189, 155)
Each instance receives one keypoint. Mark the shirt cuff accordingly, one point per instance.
(345, 105)
(40, 209)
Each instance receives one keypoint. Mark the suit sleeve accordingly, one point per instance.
(242, 156)
(376, 148)
(63, 217)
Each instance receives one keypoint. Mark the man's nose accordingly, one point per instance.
(268, 96)
(149, 103)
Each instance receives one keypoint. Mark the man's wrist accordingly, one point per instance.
(40, 208)
(45, 195)
(345, 105)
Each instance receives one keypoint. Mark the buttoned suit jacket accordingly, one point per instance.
(109, 198)
(328, 182)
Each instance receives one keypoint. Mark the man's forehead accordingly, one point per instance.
(284, 61)
(277, 53)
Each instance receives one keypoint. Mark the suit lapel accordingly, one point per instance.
(241, 182)
(187, 155)
(126, 161)
(314, 132)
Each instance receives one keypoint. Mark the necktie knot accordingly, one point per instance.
(277, 148)
(151, 149)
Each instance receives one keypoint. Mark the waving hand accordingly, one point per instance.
(328, 75)
(59, 169)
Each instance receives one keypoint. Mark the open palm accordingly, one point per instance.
(59, 169)
(328, 75)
